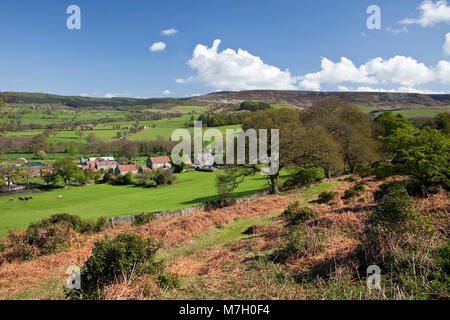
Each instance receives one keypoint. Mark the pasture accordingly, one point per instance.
(109, 200)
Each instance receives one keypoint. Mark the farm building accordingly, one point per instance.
(158, 162)
(124, 169)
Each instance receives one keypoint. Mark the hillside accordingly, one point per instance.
(304, 99)
(78, 102)
(299, 99)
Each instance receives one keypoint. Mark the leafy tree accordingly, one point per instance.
(348, 126)
(390, 122)
(145, 178)
(4, 97)
(254, 106)
(422, 153)
(290, 129)
(10, 170)
(40, 142)
(230, 179)
(443, 122)
(72, 149)
(66, 168)
(41, 155)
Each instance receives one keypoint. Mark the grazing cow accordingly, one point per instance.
(11, 199)
(31, 198)
(26, 198)
(60, 197)
(21, 199)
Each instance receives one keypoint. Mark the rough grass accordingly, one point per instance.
(227, 253)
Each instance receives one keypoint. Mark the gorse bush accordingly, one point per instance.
(48, 236)
(355, 191)
(296, 214)
(327, 196)
(395, 211)
(306, 242)
(123, 258)
(143, 218)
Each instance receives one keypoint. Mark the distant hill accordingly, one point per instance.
(298, 99)
(304, 99)
(80, 102)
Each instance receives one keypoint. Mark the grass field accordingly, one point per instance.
(108, 200)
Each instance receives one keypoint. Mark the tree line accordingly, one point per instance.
(339, 138)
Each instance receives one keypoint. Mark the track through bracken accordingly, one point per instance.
(237, 269)
(24, 277)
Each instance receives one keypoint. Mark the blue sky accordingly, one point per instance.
(285, 44)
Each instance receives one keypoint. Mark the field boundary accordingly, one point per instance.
(205, 206)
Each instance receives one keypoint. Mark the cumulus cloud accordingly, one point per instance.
(157, 46)
(400, 90)
(166, 92)
(169, 32)
(401, 70)
(335, 72)
(235, 70)
(84, 95)
(114, 95)
(447, 44)
(431, 14)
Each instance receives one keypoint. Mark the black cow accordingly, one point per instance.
(21, 199)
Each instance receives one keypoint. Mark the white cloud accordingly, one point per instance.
(114, 95)
(431, 14)
(169, 32)
(397, 31)
(401, 89)
(231, 70)
(84, 95)
(166, 92)
(157, 46)
(402, 70)
(332, 72)
(447, 44)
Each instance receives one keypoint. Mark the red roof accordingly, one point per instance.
(127, 167)
(160, 159)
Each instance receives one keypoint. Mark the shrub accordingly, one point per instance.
(48, 236)
(296, 214)
(363, 170)
(41, 155)
(122, 258)
(383, 170)
(355, 190)
(327, 196)
(302, 243)
(305, 176)
(168, 280)
(143, 218)
(395, 211)
(254, 105)
(164, 177)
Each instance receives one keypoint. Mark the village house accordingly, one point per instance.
(106, 165)
(124, 169)
(96, 159)
(158, 162)
(143, 169)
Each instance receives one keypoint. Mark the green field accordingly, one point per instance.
(109, 200)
